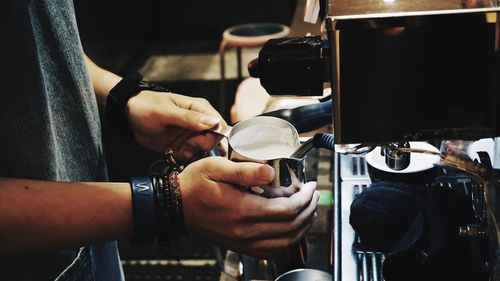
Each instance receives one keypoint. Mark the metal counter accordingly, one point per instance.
(358, 9)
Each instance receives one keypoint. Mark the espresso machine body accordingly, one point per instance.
(399, 71)
(410, 71)
(414, 74)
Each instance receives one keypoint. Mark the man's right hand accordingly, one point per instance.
(216, 207)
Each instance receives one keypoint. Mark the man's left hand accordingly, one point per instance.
(169, 120)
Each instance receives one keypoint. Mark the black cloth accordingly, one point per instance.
(417, 228)
(432, 250)
(384, 212)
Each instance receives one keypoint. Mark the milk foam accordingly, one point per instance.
(264, 142)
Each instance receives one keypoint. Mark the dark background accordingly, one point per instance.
(121, 35)
(117, 33)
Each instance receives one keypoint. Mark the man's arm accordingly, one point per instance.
(163, 120)
(39, 216)
(102, 80)
(42, 216)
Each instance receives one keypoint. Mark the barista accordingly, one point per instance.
(58, 215)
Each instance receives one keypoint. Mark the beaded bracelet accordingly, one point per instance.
(179, 228)
(169, 218)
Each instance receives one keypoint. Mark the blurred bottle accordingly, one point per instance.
(457, 148)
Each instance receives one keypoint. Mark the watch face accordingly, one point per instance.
(145, 85)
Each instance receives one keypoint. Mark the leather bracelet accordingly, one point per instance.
(169, 217)
(164, 231)
(117, 99)
(144, 210)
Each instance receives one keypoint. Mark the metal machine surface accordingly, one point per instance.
(358, 9)
(403, 71)
(430, 67)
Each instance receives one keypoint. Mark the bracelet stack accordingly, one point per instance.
(168, 214)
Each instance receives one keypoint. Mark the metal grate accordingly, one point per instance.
(353, 167)
(351, 264)
(190, 259)
(369, 266)
(160, 271)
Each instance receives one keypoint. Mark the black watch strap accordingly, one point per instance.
(118, 97)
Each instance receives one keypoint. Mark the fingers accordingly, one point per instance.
(253, 224)
(270, 247)
(175, 121)
(172, 109)
(192, 120)
(194, 113)
(268, 229)
(246, 174)
(284, 208)
(249, 174)
(283, 191)
(266, 239)
(203, 142)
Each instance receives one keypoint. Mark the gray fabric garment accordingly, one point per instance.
(49, 121)
(50, 127)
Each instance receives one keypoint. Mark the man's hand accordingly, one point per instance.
(168, 120)
(163, 120)
(217, 207)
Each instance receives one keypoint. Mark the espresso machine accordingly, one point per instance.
(400, 71)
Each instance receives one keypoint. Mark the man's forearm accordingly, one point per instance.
(39, 216)
(102, 81)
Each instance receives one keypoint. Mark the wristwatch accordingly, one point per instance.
(118, 97)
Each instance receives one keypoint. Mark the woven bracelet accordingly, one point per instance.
(179, 229)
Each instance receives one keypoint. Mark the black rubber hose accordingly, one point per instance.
(306, 118)
(324, 140)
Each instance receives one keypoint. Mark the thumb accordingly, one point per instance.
(246, 174)
(193, 120)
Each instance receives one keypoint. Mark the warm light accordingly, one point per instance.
(389, 1)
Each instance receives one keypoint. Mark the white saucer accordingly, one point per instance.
(418, 161)
(481, 145)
